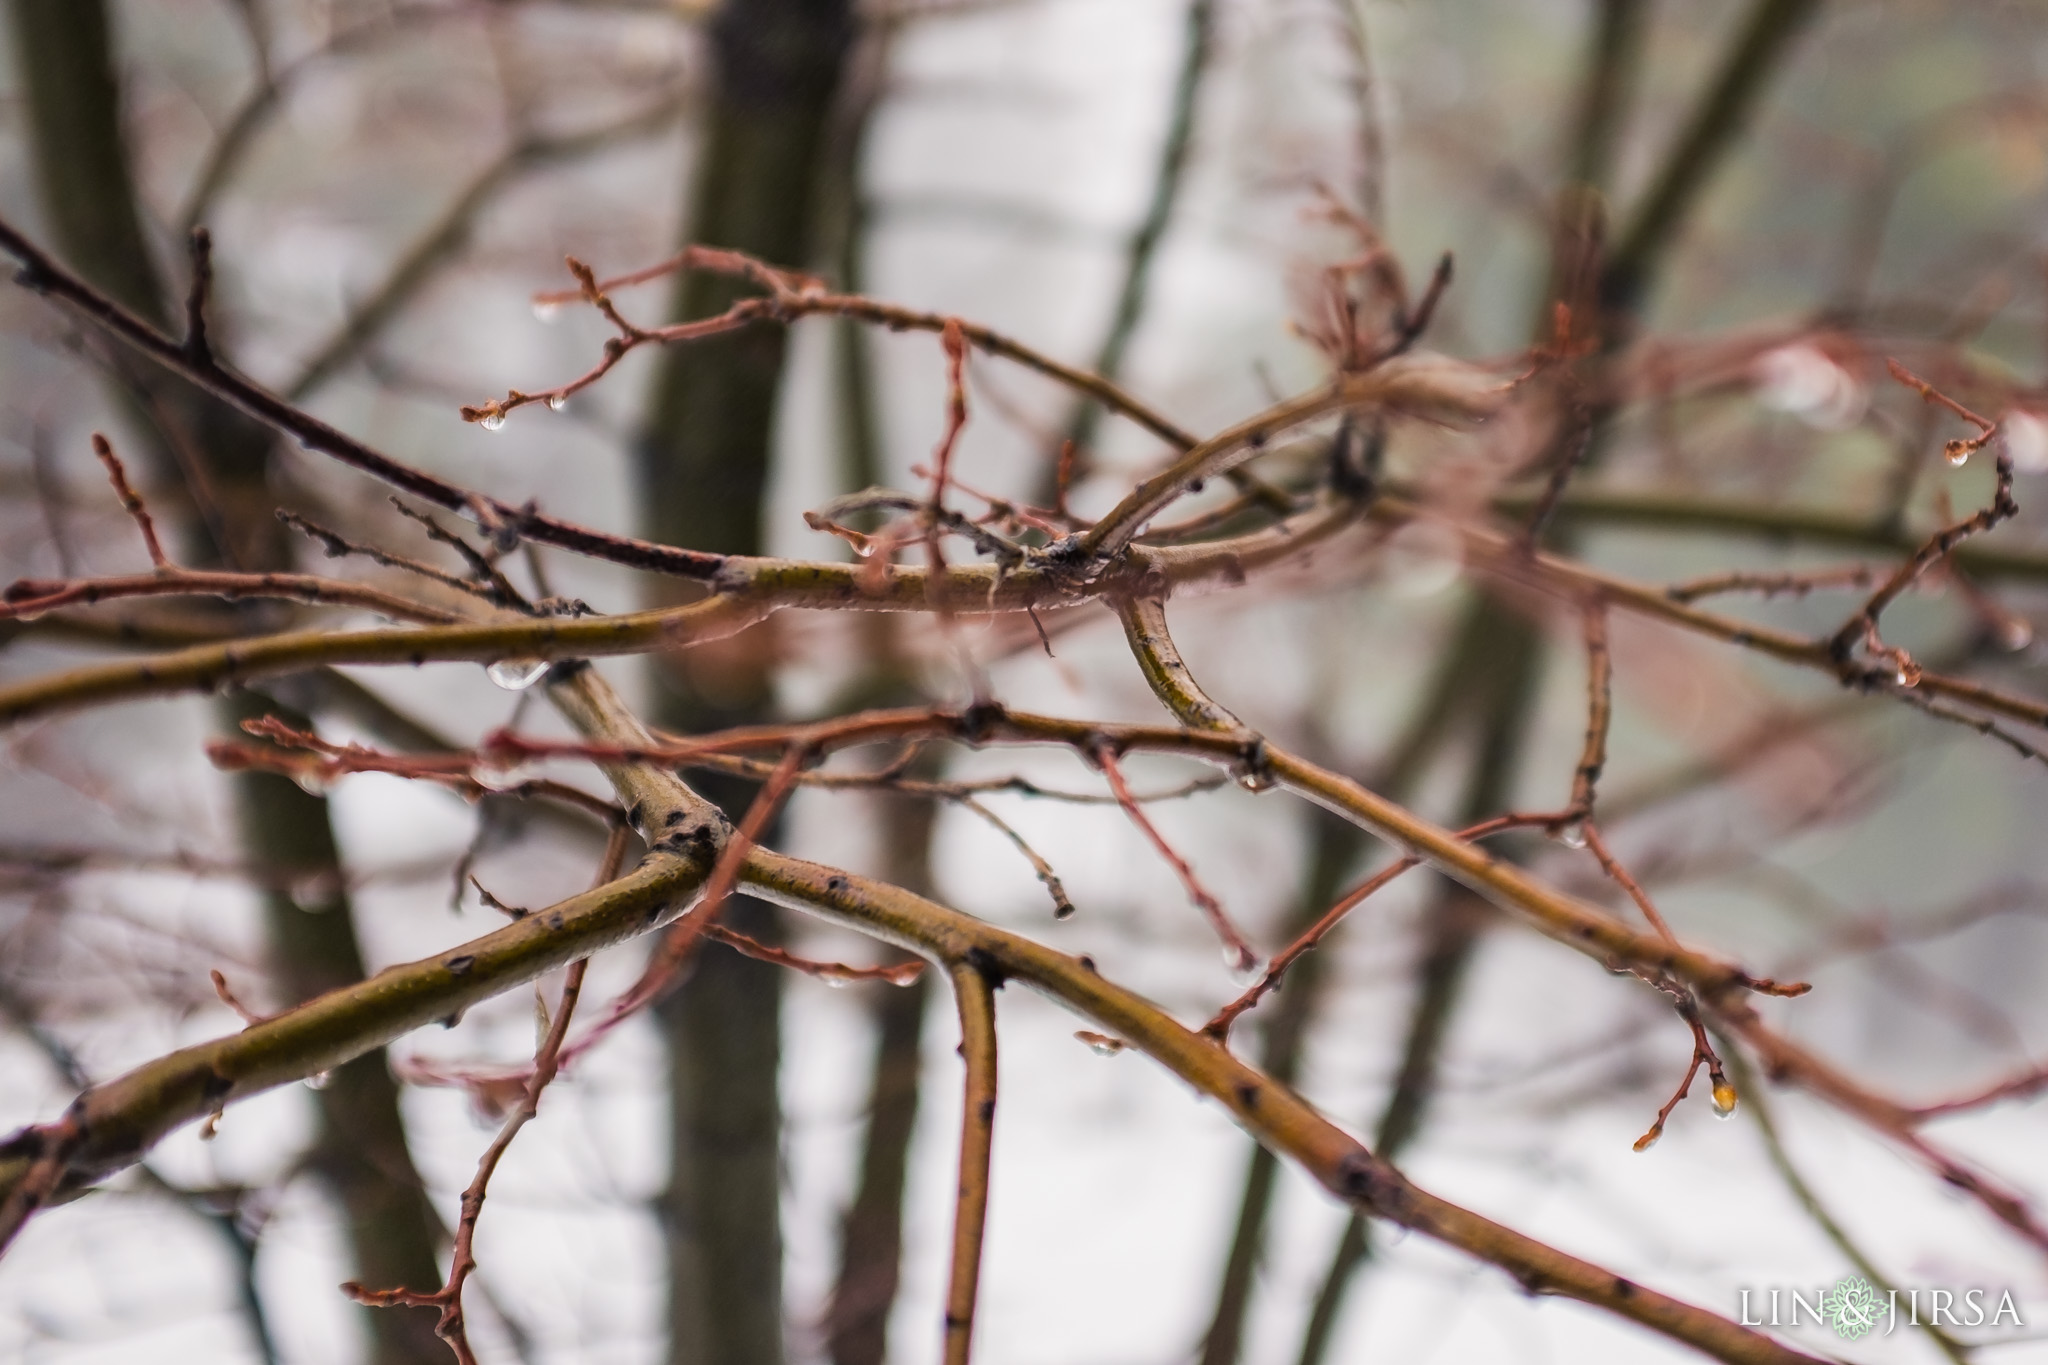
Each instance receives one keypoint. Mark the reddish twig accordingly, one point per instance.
(1620, 876)
(1599, 709)
(1703, 1054)
(131, 501)
(1235, 948)
(787, 296)
(2017, 1088)
(452, 1327)
(1862, 628)
(677, 945)
(1312, 937)
(898, 974)
(228, 998)
(1773, 584)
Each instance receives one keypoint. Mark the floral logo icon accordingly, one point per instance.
(1852, 1307)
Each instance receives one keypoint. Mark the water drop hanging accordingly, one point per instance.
(556, 402)
(1101, 1044)
(1724, 1100)
(516, 675)
(492, 421)
(1244, 966)
(496, 777)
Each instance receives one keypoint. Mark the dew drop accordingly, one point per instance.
(1907, 676)
(546, 310)
(1958, 453)
(557, 402)
(2016, 633)
(313, 781)
(836, 983)
(1573, 835)
(492, 421)
(319, 1080)
(1724, 1100)
(1101, 1044)
(1254, 780)
(316, 891)
(497, 777)
(516, 675)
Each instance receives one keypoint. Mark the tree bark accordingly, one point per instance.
(221, 460)
(703, 463)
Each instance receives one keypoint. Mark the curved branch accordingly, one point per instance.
(1272, 1113)
(975, 991)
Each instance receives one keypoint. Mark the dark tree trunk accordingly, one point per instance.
(220, 460)
(703, 463)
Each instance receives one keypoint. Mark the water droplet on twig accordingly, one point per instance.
(1724, 1100)
(1101, 1044)
(316, 891)
(491, 421)
(497, 777)
(516, 675)
(1572, 835)
(558, 401)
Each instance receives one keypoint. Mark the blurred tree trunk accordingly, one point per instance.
(703, 464)
(222, 462)
(871, 1238)
(856, 1325)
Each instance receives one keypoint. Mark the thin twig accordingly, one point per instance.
(1062, 907)
(1312, 937)
(1862, 628)
(679, 943)
(898, 974)
(131, 501)
(197, 347)
(1773, 584)
(1599, 709)
(452, 1327)
(1240, 953)
(1703, 1054)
